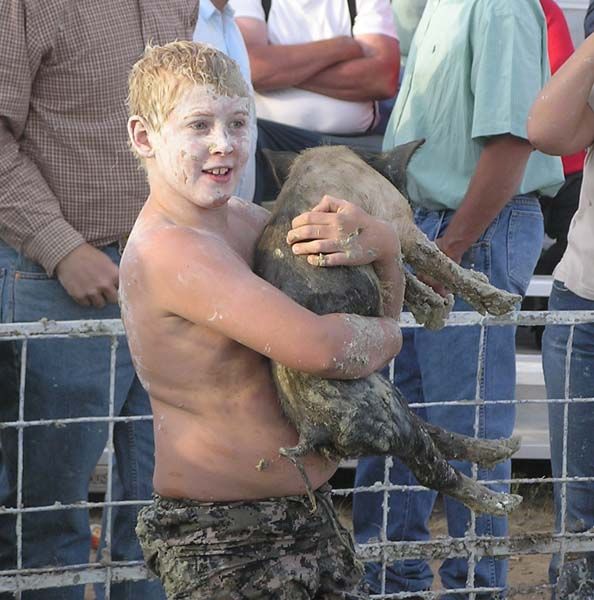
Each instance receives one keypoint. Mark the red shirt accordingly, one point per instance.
(560, 48)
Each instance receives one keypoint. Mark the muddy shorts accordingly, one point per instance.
(273, 549)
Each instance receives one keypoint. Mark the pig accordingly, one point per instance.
(369, 416)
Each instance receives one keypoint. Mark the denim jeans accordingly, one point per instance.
(580, 441)
(442, 366)
(67, 378)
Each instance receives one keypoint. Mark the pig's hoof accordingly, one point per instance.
(483, 500)
(501, 504)
(433, 311)
(495, 301)
(503, 303)
(487, 453)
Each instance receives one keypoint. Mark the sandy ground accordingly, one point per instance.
(528, 575)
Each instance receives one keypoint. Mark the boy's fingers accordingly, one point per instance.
(313, 218)
(309, 232)
(334, 259)
(316, 246)
(330, 204)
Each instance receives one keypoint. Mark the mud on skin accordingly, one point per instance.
(368, 416)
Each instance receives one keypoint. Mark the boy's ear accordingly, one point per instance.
(138, 132)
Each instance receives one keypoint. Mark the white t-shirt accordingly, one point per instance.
(302, 21)
(576, 269)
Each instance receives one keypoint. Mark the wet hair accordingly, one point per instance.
(159, 78)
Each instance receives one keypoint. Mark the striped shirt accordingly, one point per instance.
(66, 174)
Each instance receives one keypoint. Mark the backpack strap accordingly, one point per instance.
(352, 11)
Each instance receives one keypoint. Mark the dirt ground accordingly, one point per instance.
(528, 575)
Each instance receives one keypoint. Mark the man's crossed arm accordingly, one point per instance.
(356, 69)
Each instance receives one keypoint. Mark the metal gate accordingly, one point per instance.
(471, 547)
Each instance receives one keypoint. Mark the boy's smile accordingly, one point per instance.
(203, 146)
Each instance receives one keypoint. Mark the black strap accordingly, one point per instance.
(352, 10)
(589, 19)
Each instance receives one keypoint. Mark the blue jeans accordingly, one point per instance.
(67, 378)
(441, 366)
(580, 441)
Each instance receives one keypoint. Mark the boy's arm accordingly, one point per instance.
(208, 284)
(336, 232)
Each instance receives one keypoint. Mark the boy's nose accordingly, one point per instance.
(220, 143)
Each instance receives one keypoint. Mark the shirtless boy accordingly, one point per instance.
(230, 519)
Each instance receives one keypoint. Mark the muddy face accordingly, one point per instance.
(203, 145)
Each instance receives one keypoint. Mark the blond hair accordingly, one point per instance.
(158, 79)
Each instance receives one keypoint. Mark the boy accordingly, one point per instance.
(230, 519)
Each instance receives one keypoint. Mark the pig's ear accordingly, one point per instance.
(280, 162)
(392, 164)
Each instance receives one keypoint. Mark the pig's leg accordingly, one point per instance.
(425, 257)
(483, 500)
(427, 306)
(413, 443)
(486, 453)
(433, 471)
(454, 446)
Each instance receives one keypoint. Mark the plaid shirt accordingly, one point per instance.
(66, 173)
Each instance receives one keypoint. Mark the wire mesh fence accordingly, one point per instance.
(105, 571)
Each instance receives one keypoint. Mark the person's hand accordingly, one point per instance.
(453, 249)
(89, 276)
(336, 232)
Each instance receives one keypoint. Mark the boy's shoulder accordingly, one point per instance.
(171, 263)
(253, 213)
(169, 244)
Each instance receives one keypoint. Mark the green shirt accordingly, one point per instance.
(474, 69)
(407, 14)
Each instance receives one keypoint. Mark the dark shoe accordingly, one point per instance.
(576, 580)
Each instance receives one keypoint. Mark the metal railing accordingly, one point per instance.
(472, 547)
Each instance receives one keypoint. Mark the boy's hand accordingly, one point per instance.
(336, 232)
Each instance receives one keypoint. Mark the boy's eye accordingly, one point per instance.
(238, 123)
(200, 125)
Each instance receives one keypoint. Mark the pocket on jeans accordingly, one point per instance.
(30, 270)
(559, 287)
(38, 296)
(477, 257)
(524, 241)
(2, 301)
